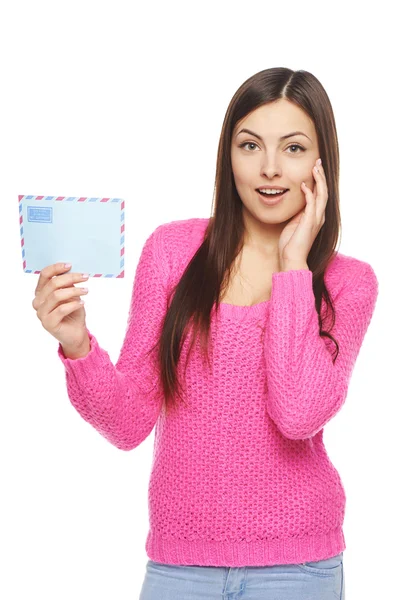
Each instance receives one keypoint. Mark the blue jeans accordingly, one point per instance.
(321, 580)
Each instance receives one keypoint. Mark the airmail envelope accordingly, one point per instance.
(89, 233)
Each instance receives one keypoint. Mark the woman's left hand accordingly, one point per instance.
(299, 234)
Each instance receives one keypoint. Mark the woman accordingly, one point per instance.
(243, 499)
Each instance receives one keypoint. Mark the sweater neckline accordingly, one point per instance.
(235, 310)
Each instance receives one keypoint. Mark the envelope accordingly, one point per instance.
(89, 233)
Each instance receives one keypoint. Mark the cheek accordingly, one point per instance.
(236, 170)
(240, 178)
(243, 172)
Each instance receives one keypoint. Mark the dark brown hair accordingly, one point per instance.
(208, 273)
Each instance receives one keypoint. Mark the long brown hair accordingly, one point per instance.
(208, 272)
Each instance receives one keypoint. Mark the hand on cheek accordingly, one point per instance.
(310, 185)
(299, 233)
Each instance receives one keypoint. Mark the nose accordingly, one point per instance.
(270, 168)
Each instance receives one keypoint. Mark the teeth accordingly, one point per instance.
(272, 192)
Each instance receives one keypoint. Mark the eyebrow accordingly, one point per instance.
(283, 137)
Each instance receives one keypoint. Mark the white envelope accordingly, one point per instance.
(89, 233)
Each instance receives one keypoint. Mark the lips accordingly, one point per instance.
(271, 199)
(272, 195)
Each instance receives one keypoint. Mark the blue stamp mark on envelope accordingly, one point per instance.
(40, 214)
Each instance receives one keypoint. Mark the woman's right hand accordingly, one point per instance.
(57, 305)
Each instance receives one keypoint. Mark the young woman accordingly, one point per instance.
(244, 501)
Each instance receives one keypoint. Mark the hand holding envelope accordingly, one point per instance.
(88, 233)
(59, 307)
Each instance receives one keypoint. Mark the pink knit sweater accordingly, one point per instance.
(241, 475)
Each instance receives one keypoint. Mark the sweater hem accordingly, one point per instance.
(309, 548)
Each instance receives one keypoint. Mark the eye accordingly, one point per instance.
(291, 146)
(247, 143)
(296, 146)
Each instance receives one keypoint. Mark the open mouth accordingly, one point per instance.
(275, 195)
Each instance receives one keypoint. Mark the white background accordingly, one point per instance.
(121, 99)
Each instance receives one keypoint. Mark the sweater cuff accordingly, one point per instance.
(85, 366)
(292, 285)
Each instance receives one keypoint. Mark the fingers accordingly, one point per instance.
(59, 297)
(322, 191)
(51, 321)
(48, 284)
(47, 273)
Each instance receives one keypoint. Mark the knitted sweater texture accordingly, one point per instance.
(240, 475)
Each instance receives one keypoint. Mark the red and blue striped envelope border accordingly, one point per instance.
(75, 199)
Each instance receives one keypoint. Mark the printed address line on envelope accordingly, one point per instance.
(87, 232)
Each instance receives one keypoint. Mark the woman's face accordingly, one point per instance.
(268, 160)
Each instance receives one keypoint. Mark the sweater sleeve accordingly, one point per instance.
(305, 389)
(122, 402)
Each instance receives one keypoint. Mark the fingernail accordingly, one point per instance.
(67, 265)
(319, 161)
